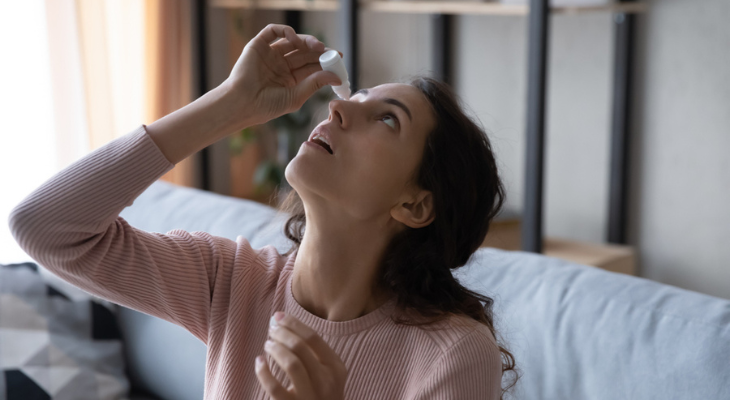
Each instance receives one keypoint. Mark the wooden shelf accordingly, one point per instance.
(506, 235)
(485, 8)
(423, 7)
(445, 7)
(302, 5)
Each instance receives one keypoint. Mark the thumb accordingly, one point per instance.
(314, 82)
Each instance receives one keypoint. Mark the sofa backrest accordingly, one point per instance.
(577, 332)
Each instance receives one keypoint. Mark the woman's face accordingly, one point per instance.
(377, 138)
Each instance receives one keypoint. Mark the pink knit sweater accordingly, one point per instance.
(224, 291)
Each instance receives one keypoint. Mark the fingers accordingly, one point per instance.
(328, 49)
(282, 35)
(293, 343)
(307, 43)
(303, 72)
(313, 43)
(270, 384)
(293, 365)
(273, 32)
(306, 88)
(301, 52)
(297, 59)
(283, 46)
(311, 338)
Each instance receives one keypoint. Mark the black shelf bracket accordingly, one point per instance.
(293, 18)
(349, 26)
(441, 61)
(622, 77)
(201, 37)
(535, 136)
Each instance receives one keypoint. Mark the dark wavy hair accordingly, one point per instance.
(459, 168)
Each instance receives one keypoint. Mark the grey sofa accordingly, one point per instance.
(577, 332)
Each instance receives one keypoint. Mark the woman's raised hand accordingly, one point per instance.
(315, 370)
(277, 72)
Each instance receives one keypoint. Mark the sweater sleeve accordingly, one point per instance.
(71, 226)
(470, 370)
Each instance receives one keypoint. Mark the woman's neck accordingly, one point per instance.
(336, 268)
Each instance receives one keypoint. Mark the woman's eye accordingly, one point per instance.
(389, 119)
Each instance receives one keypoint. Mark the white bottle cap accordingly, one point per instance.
(331, 61)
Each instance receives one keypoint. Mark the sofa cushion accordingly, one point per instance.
(56, 342)
(165, 206)
(579, 332)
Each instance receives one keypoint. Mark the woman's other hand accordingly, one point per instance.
(315, 370)
(276, 73)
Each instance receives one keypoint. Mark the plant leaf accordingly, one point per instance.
(239, 141)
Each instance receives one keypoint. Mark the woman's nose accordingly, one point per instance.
(338, 112)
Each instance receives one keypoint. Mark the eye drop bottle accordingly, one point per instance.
(331, 61)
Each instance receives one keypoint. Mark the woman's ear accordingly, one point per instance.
(417, 212)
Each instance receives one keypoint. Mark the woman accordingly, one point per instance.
(397, 187)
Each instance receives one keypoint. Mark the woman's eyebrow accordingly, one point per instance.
(401, 105)
(394, 102)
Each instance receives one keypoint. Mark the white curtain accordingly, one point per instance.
(73, 74)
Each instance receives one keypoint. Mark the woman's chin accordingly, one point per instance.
(303, 175)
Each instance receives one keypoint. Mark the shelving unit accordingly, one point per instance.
(537, 11)
(290, 5)
(422, 7)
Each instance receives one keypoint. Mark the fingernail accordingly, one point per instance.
(268, 345)
(272, 322)
(278, 315)
(259, 363)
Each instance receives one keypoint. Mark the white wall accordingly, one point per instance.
(681, 199)
(680, 196)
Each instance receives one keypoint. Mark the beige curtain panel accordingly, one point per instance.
(114, 65)
(168, 44)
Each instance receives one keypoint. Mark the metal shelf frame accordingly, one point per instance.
(443, 13)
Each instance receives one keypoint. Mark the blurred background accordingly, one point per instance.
(78, 74)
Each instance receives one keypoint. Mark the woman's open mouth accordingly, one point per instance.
(322, 143)
(316, 145)
(321, 139)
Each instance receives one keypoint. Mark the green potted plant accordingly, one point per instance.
(290, 130)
